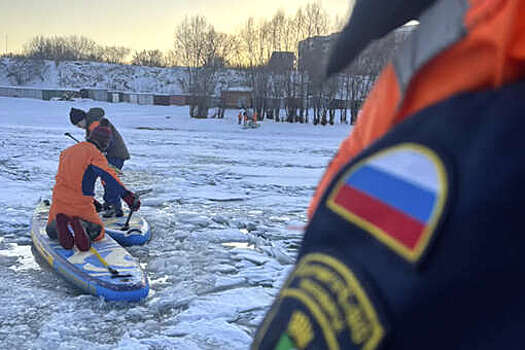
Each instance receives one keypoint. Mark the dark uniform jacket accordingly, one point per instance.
(117, 148)
(415, 239)
(418, 242)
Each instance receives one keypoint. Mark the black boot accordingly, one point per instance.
(98, 207)
(113, 211)
(109, 212)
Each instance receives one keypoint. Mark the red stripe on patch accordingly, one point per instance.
(401, 227)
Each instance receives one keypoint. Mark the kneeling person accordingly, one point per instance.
(72, 205)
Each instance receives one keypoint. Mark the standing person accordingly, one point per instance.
(248, 117)
(72, 204)
(415, 234)
(116, 154)
(245, 117)
(239, 117)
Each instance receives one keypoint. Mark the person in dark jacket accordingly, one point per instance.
(415, 234)
(116, 154)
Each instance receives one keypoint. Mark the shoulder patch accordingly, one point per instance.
(397, 195)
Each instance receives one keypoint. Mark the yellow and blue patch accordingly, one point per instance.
(397, 195)
(324, 305)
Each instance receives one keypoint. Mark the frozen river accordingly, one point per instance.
(223, 203)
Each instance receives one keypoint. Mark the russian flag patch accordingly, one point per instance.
(397, 195)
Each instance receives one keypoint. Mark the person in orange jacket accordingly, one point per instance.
(239, 118)
(72, 203)
(415, 234)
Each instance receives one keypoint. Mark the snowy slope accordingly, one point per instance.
(115, 77)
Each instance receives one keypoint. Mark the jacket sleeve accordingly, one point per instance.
(99, 165)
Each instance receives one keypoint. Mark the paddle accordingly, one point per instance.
(143, 192)
(69, 135)
(126, 225)
(114, 272)
(138, 194)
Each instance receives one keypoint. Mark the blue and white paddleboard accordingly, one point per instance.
(126, 282)
(138, 232)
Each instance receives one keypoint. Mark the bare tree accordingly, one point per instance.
(115, 54)
(276, 26)
(254, 44)
(203, 51)
(151, 58)
(316, 20)
(366, 67)
(310, 21)
(247, 45)
(73, 48)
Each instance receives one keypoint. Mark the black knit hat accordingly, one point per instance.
(95, 113)
(101, 135)
(76, 115)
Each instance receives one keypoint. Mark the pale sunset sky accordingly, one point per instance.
(136, 24)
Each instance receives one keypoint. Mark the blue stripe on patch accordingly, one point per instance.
(404, 196)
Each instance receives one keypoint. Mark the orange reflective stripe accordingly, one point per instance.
(481, 60)
(479, 9)
(93, 126)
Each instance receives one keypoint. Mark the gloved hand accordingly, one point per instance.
(132, 201)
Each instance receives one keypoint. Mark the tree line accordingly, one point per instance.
(281, 90)
(251, 45)
(279, 87)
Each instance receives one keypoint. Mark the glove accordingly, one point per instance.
(132, 201)
(98, 206)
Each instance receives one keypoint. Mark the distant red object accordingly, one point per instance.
(179, 100)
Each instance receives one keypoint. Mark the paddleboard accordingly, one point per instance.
(137, 233)
(251, 126)
(107, 270)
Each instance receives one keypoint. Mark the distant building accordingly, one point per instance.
(315, 51)
(236, 97)
(282, 61)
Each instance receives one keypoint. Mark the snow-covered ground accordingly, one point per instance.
(222, 203)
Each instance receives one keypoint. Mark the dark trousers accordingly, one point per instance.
(109, 196)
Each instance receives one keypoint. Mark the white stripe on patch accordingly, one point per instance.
(410, 165)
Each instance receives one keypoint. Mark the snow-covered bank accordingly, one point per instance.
(221, 203)
(116, 77)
